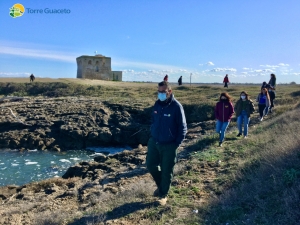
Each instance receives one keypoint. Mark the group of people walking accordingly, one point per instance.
(168, 128)
(243, 108)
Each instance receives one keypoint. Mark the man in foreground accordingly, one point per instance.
(168, 130)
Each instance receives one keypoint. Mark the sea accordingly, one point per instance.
(18, 168)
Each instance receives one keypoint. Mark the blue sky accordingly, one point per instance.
(147, 39)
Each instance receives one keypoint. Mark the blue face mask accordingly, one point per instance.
(162, 96)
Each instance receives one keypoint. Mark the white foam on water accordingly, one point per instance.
(31, 163)
(52, 162)
(34, 150)
(75, 159)
(1, 163)
(14, 164)
(56, 176)
(64, 160)
(3, 168)
(96, 154)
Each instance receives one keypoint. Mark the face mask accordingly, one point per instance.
(243, 96)
(162, 96)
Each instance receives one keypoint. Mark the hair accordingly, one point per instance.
(267, 93)
(164, 83)
(264, 82)
(245, 93)
(225, 94)
(273, 75)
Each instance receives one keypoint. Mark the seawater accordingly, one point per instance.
(19, 168)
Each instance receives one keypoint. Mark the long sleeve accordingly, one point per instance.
(182, 126)
(231, 111)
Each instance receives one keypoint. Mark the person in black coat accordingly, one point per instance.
(272, 96)
(180, 81)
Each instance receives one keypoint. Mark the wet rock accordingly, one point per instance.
(100, 158)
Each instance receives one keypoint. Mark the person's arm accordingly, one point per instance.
(252, 108)
(231, 111)
(182, 127)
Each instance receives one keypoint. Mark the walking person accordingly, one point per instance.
(31, 78)
(166, 78)
(226, 81)
(272, 97)
(223, 113)
(180, 81)
(168, 130)
(243, 108)
(272, 81)
(263, 100)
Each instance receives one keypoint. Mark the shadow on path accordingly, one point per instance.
(116, 213)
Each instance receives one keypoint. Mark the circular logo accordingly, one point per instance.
(16, 10)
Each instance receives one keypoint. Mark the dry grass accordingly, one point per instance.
(248, 181)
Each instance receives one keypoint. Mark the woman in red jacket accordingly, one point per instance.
(226, 81)
(223, 113)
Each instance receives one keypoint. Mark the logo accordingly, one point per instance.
(17, 10)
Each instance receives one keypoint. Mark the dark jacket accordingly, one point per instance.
(168, 122)
(272, 95)
(224, 111)
(226, 80)
(272, 82)
(249, 107)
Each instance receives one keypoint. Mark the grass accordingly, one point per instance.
(247, 181)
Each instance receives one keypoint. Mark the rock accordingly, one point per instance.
(100, 158)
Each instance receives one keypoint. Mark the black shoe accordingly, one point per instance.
(239, 134)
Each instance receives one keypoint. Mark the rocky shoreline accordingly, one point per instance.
(84, 185)
(71, 123)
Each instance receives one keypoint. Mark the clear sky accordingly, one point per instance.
(147, 39)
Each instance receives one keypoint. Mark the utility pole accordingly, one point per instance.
(191, 79)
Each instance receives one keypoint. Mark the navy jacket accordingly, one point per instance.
(168, 122)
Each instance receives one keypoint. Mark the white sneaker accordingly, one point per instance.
(261, 119)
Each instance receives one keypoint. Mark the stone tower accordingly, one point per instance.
(96, 67)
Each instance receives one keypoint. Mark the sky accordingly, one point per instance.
(199, 39)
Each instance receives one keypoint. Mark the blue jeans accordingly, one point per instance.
(243, 117)
(221, 129)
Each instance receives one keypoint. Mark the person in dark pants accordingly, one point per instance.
(226, 81)
(272, 80)
(243, 108)
(272, 97)
(263, 100)
(180, 81)
(168, 130)
(223, 113)
(31, 78)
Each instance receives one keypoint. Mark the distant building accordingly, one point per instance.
(96, 67)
